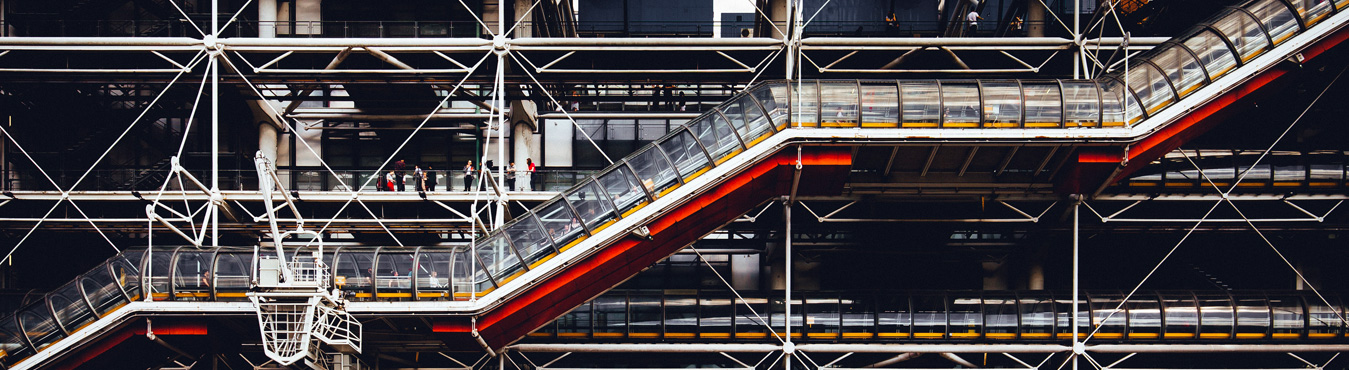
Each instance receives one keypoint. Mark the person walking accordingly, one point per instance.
(430, 178)
(468, 175)
(973, 20)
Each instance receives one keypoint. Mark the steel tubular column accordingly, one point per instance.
(788, 348)
(1077, 316)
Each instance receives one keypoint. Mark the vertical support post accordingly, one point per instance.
(215, 148)
(788, 348)
(1077, 50)
(500, 217)
(1077, 345)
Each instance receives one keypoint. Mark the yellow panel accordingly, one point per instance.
(1080, 335)
(394, 295)
(880, 124)
(572, 335)
(728, 156)
(961, 125)
(893, 335)
(1000, 335)
(431, 295)
(1179, 184)
(362, 295)
(608, 335)
(758, 139)
(857, 335)
(1042, 124)
(696, 174)
(1141, 183)
(1321, 184)
(1036, 335)
(1142, 335)
(1251, 184)
(714, 335)
(1179, 336)
(804, 124)
(625, 215)
(578, 240)
(822, 335)
(1118, 123)
(1287, 183)
(1250, 335)
(1214, 335)
(643, 335)
(1108, 335)
(541, 260)
(751, 335)
(1286, 336)
(679, 335)
(1001, 125)
(512, 277)
(667, 190)
(929, 335)
(540, 334)
(964, 335)
(1321, 335)
(231, 295)
(918, 125)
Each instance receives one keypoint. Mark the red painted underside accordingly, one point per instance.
(1094, 166)
(136, 327)
(825, 167)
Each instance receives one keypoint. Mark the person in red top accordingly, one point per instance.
(528, 180)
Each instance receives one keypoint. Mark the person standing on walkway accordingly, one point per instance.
(430, 178)
(973, 20)
(399, 170)
(529, 175)
(418, 178)
(468, 175)
(510, 177)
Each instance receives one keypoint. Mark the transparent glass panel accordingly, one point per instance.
(773, 97)
(591, 203)
(922, 103)
(232, 275)
(646, 316)
(747, 118)
(128, 276)
(1000, 317)
(806, 106)
(12, 345)
(1108, 315)
(858, 316)
(1278, 19)
(967, 317)
(1044, 104)
(1213, 52)
(192, 275)
(576, 323)
(102, 290)
(1145, 318)
(1244, 32)
(561, 224)
(71, 310)
(160, 266)
(497, 259)
(893, 317)
(611, 316)
(1118, 106)
(1312, 11)
(1151, 87)
(1182, 315)
(529, 239)
(822, 317)
(1037, 317)
(681, 316)
(880, 105)
(716, 135)
(1082, 104)
(687, 155)
(1288, 317)
(37, 323)
(463, 272)
(1323, 321)
(747, 324)
(393, 273)
(1181, 67)
(1063, 316)
(929, 317)
(433, 275)
(653, 171)
(1002, 104)
(715, 317)
(1216, 316)
(355, 271)
(960, 104)
(624, 188)
(1253, 317)
(838, 104)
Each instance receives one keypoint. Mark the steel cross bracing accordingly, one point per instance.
(268, 56)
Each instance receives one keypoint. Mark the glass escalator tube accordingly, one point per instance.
(527, 235)
(232, 274)
(393, 273)
(838, 104)
(191, 274)
(1180, 315)
(71, 310)
(434, 274)
(1253, 316)
(880, 104)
